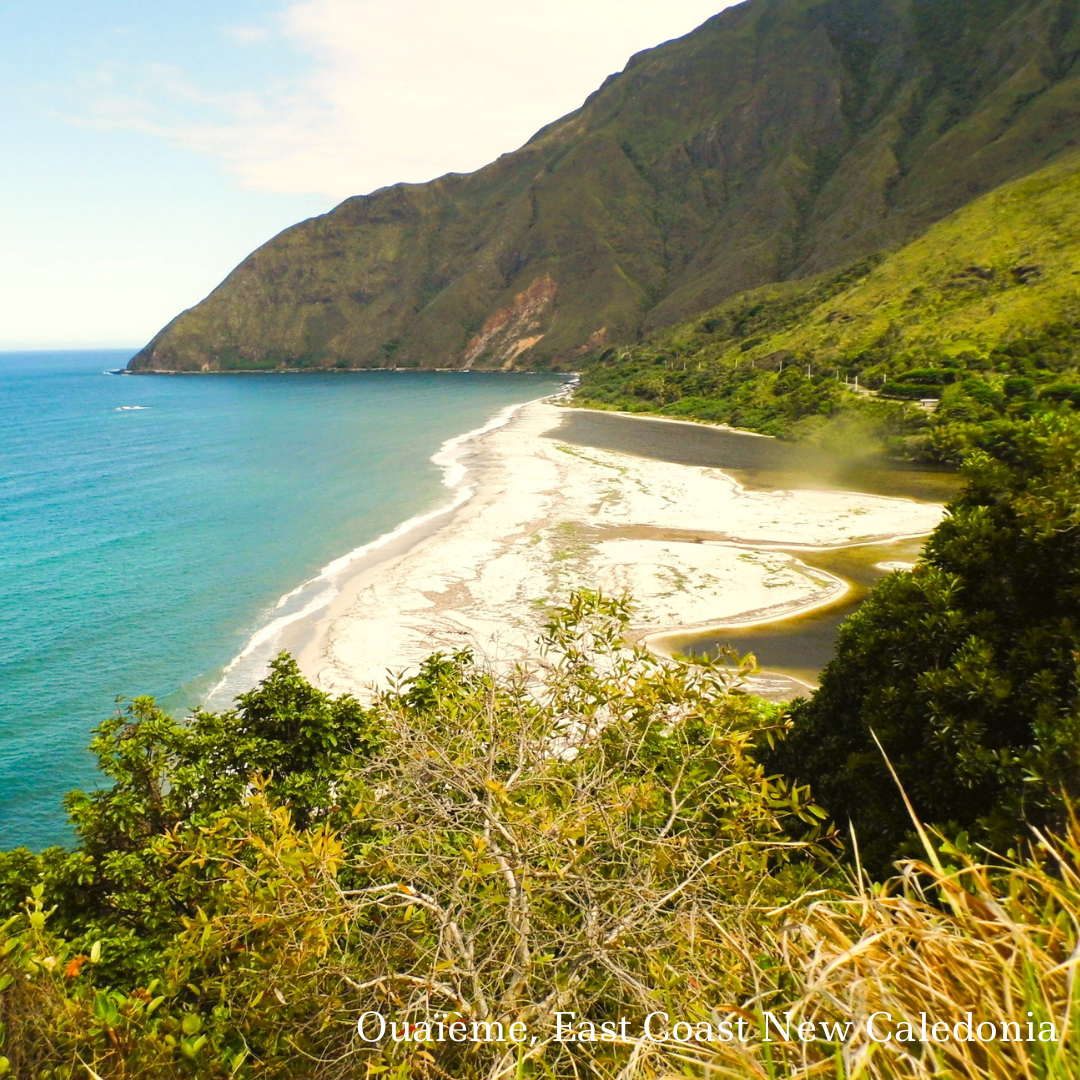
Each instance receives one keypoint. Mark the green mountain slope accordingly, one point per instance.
(981, 312)
(781, 139)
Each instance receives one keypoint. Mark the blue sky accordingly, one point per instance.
(149, 146)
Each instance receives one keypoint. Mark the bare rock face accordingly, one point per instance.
(782, 138)
(515, 329)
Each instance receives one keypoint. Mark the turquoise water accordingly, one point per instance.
(149, 526)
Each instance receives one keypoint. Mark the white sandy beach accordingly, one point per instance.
(690, 544)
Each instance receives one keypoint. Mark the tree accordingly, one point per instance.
(585, 835)
(118, 883)
(966, 669)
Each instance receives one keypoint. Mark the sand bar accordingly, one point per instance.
(691, 545)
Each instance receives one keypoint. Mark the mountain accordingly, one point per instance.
(982, 311)
(780, 140)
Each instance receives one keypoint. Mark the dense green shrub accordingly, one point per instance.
(926, 376)
(965, 671)
(911, 391)
(1062, 392)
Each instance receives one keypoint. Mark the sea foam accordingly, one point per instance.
(451, 459)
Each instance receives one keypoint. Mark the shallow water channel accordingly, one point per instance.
(800, 646)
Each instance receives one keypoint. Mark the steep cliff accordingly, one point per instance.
(781, 139)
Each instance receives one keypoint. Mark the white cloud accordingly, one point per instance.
(406, 90)
(246, 35)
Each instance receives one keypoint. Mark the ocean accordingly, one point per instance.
(155, 531)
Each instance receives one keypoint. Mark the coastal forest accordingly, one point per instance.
(851, 223)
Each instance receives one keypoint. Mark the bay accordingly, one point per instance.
(150, 526)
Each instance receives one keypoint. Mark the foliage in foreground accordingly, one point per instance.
(965, 671)
(590, 836)
(950, 939)
(493, 848)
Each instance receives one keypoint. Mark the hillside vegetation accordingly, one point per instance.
(964, 673)
(782, 139)
(981, 312)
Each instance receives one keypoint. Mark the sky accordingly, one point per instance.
(148, 147)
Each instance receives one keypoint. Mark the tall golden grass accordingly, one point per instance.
(949, 936)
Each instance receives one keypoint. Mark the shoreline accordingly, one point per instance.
(668, 643)
(291, 631)
(535, 518)
(335, 371)
(660, 419)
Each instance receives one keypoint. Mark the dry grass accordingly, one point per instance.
(997, 939)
